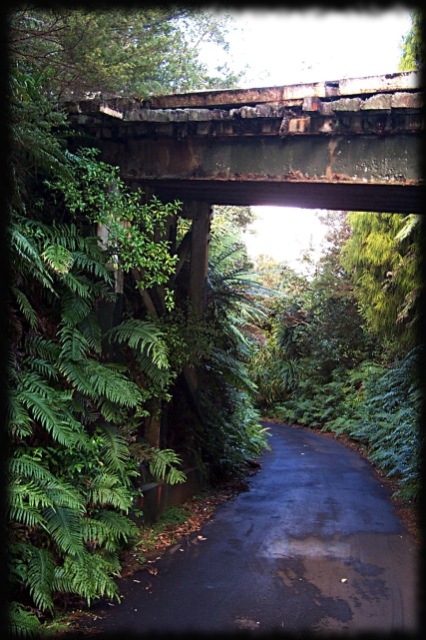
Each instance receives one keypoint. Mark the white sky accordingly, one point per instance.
(282, 47)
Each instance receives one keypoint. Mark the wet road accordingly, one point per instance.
(314, 547)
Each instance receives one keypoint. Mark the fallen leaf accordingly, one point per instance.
(343, 580)
(138, 581)
(153, 571)
(201, 538)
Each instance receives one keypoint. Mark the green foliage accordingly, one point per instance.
(72, 411)
(154, 50)
(412, 48)
(161, 465)
(78, 395)
(232, 432)
(383, 256)
(320, 365)
(130, 228)
(23, 623)
(145, 337)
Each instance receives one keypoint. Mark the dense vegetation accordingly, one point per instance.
(342, 349)
(100, 329)
(102, 338)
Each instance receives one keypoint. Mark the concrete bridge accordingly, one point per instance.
(351, 144)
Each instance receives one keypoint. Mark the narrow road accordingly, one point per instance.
(314, 547)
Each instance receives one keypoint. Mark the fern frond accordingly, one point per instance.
(76, 374)
(58, 258)
(28, 257)
(41, 347)
(21, 465)
(161, 466)
(44, 411)
(74, 308)
(94, 263)
(89, 576)
(63, 524)
(115, 452)
(108, 530)
(110, 411)
(108, 489)
(22, 623)
(120, 525)
(40, 577)
(77, 284)
(112, 384)
(144, 337)
(413, 220)
(160, 377)
(89, 327)
(24, 501)
(74, 344)
(43, 488)
(25, 307)
(19, 421)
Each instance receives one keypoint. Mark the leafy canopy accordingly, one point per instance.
(130, 52)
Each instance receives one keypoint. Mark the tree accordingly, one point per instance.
(137, 52)
(384, 259)
(412, 47)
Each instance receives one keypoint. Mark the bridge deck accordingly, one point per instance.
(345, 144)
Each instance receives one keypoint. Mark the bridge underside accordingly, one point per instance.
(344, 197)
(345, 172)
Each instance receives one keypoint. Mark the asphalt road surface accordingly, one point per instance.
(314, 547)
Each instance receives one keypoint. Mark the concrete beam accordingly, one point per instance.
(338, 196)
(355, 159)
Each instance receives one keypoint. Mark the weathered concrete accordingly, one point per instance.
(257, 146)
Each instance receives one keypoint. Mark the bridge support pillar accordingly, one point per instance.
(201, 214)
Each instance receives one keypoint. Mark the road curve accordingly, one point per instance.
(313, 547)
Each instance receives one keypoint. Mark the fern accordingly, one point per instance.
(58, 258)
(63, 524)
(88, 576)
(74, 309)
(91, 330)
(161, 378)
(43, 409)
(107, 489)
(22, 623)
(97, 380)
(115, 451)
(144, 337)
(109, 529)
(19, 421)
(112, 384)
(20, 509)
(74, 345)
(40, 577)
(161, 466)
(25, 307)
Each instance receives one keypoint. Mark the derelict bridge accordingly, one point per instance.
(352, 144)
